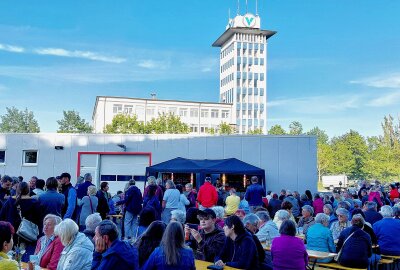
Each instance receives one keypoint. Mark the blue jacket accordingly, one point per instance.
(120, 256)
(387, 231)
(295, 203)
(81, 190)
(356, 250)
(254, 194)
(133, 200)
(157, 260)
(69, 209)
(51, 202)
(241, 253)
(320, 238)
(372, 216)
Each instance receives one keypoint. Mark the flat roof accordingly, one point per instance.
(233, 30)
(162, 100)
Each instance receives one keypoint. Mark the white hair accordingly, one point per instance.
(92, 221)
(219, 211)
(178, 215)
(386, 211)
(322, 218)
(282, 215)
(56, 219)
(66, 230)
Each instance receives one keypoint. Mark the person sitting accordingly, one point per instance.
(328, 210)
(219, 212)
(91, 223)
(280, 217)
(319, 237)
(288, 251)
(6, 239)
(307, 218)
(232, 202)
(172, 253)
(387, 231)
(49, 246)
(240, 213)
(274, 205)
(354, 245)
(371, 213)
(318, 204)
(147, 216)
(111, 252)
(288, 206)
(209, 240)
(295, 208)
(342, 223)
(191, 216)
(178, 216)
(304, 200)
(149, 240)
(243, 205)
(77, 252)
(239, 250)
(266, 227)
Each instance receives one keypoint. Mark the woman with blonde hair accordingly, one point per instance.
(78, 249)
(89, 205)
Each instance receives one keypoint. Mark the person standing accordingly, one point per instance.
(82, 189)
(88, 206)
(254, 194)
(191, 195)
(207, 196)
(51, 202)
(170, 201)
(232, 202)
(69, 209)
(133, 205)
(102, 196)
(5, 189)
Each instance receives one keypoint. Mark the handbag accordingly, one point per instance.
(336, 258)
(27, 229)
(91, 206)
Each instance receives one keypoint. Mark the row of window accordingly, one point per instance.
(29, 157)
(227, 97)
(227, 79)
(250, 46)
(250, 122)
(249, 114)
(227, 51)
(183, 112)
(227, 65)
(250, 61)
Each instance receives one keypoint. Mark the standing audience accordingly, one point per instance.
(254, 194)
(51, 202)
(69, 209)
(207, 196)
(88, 206)
(170, 201)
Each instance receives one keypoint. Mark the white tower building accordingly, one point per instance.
(243, 71)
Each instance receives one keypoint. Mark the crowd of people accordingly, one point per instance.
(170, 226)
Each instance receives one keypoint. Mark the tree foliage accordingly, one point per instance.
(277, 130)
(257, 131)
(225, 129)
(16, 121)
(295, 128)
(73, 123)
(163, 124)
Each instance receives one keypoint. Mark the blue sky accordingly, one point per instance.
(332, 64)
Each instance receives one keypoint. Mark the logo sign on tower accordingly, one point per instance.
(249, 20)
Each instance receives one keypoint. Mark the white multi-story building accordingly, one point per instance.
(199, 116)
(243, 70)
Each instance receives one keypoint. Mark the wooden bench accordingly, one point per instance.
(337, 266)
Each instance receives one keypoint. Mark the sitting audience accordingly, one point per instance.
(91, 223)
(318, 204)
(387, 231)
(307, 218)
(6, 239)
(280, 217)
(288, 251)
(111, 252)
(232, 202)
(328, 210)
(77, 252)
(209, 240)
(342, 223)
(149, 240)
(147, 216)
(274, 205)
(219, 212)
(354, 245)
(239, 250)
(319, 237)
(178, 216)
(266, 227)
(49, 246)
(172, 252)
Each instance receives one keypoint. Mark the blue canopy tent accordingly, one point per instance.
(204, 167)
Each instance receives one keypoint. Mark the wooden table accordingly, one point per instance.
(25, 266)
(202, 265)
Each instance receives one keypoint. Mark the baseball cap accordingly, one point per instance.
(207, 212)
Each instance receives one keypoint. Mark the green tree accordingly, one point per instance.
(16, 121)
(225, 129)
(322, 137)
(257, 131)
(295, 128)
(277, 130)
(73, 123)
(166, 124)
(124, 124)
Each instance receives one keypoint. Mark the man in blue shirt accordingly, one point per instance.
(69, 192)
(254, 194)
(51, 202)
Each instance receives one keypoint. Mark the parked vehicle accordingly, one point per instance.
(334, 181)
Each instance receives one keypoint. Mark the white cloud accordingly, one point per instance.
(79, 54)
(391, 80)
(386, 100)
(11, 48)
(152, 64)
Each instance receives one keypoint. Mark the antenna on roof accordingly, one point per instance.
(229, 14)
(153, 95)
(256, 7)
(238, 7)
(246, 7)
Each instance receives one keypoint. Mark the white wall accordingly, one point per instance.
(290, 162)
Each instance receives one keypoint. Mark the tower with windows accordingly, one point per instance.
(243, 71)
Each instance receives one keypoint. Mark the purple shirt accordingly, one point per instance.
(288, 252)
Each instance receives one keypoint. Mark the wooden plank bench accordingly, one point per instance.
(338, 266)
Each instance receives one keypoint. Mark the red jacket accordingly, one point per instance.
(207, 195)
(52, 254)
